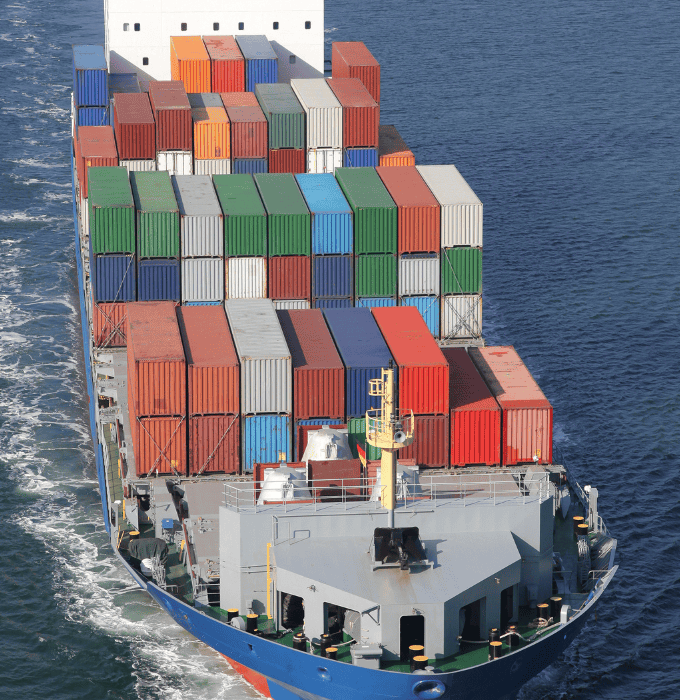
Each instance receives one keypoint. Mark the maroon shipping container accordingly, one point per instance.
(95, 146)
(360, 113)
(336, 480)
(212, 364)
(172, 112)
(527, 415)
(302, 438)
(134, 126)
(475, 415)
(248, 132)
(109, 324)
(430, 446)
(318, 372)
(290, 278)
(239, 99)
(288, 160)
(227, 65)
(214, 444)
(418, 211)
(423, 370)
(156, 365)
(351, 59)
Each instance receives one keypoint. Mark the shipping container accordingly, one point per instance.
(204, 99)
(392, 151)
(289, 277)
(323, 112)
(475, 415)
(212, 166)
(90, 76)
(158, 280)
(172, 112)
(156, 363)
(318, 372)
(113, 278)
(287, 160)
(190, 63)
(239, 99)
(211, 132)
(202, 279)
(213, 373)
(360, 157)
(423, 370)
(246, 278)
(265, 439)
(461, 271)
(332, 303)
(419, 274)
(360, 113)
(134, 126)
(123, 82)
(227, 64)
(160, 446)
(305, 426)
(461, 210)
(364, 353)
(95, 147)
(375, 275)
(337, 479)
(331, 215)
(175, 162)
(291, 303)
(157, 215)
(461, 316)
(109, 324)
(138, 166)
(527, 416)
(376, 302)
(201, 220)
(418, 211)
(351, 59)
(261, 60)
(430, 446)
(111, 210)
(356, 427)
(332, 276)
(245, 218)
(248, 132)
(323, 160)
(288, 219)
(429, 310)
(266, 372)
(284, 114)
(249, 166)
(92, 116)
(214, 444)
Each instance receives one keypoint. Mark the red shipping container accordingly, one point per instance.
(160, 446)
(96, 146)
(213, 373)
(527, 415)
(239, 99)
(336, 479)
(228, 67)
(360, 113)
(475, 415)
(109, 324)
(258, 472)
(391, 149)
(351, 59)
(418, 211)
(172, 112)
(290, 278)
(248, 132)
(288, 160)
(430, 446)
(214, 444)
(156, 365)
(318, 372)
(134, 126)
(423, 370)
(302, 438)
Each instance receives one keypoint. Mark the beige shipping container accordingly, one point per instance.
(323, 160)
(323, 110)
(175, 162)
(246, 278)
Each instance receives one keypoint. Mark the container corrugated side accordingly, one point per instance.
(94, 146)
(430, 447)
(285, 115)
(211, 133)
(92, 116)
(227, 64)
(134, 126)
(214, 444)
(246, 278)
(175, 162)
(190, 63)
(139, 166)
(249, 166)
(264, 439)
(356, 428)
(157, 215)
(158, 280)
(111, 211)
(323, 160)
(160, 446)
(289, 277)
(202, 221)
(376, 302)
(332, 303)
(461, 316)
(245, 218)
(392, 151)
(429, 310)
(419, 275)
(109, 324)
(212, 166)
(351, 59)
(287, 160)
(375, 275)
(113, 278)
(261, 60)
(360, 113)
(291, 303)
(172, 113)
(360, 157)
(323, 112)
(90, 76)
(248, 132)
(202, 279)
(332, 276)
(461, 271)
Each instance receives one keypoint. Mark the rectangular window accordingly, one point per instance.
(308, 25)
(275, 25)
(291, 59)
(137, 26)
(126, 27)
(184, 26)
(145, 61)
(241, 25)
(216, 26)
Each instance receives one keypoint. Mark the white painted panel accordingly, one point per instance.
(175, 162)
(246, 278)
(323, 160)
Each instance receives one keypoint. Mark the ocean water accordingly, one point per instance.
(562, 117)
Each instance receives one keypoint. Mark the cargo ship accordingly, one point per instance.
(306, 452)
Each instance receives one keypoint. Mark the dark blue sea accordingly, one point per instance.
(563, 117)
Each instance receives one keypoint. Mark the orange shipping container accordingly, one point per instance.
(214, 444)
(160, 446)
(228, 67)
(391, 147)
(190, 63)
(109, 321)
(211, 133)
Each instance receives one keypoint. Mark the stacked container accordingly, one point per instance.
(391, 148)
(212, 150)
(227, 64)
(351, 59)
(156, 373)
(213, 380)
(135, 131)
(266, 380)
(202, 239)
(90, 86)
(261, 62)
(95, 146)
(172, 113)
(249, 140)
(109, 324)
(190, 63)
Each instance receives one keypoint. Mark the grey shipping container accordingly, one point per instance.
(419, 275)
(201, 219)
(323, 110)
(202, 279)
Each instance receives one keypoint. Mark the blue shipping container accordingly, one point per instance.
(332, 226)
(332, 276)
(333, 303)
(375, 302)
(123, 82)
(249, 166)
(113, 277)
(261, 60)
(158, 280)
(202, 303)
(429, 310)
(90, 76)
(264, 437)
(360, 158)
(364, 353)
(92, 116)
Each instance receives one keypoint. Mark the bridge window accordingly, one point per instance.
(275, 25)
(216, 26)
(184, 26)
(291, 59)
(241, 25)
(137, 26)
(126, 27)
(145, 61)
(308, 25)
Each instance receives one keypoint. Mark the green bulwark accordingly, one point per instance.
(157, 215)
(111, 210)
(245, 218)
(375, 213)
(376, 275)
(356, 429)
(288, 218)
(462, 271)
(285, 115)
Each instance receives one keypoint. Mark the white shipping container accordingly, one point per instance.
(202, 279)
(461, 316)
(212, 166)
(291, 303)
(266, 367)
(323, 110)
(85, 216)
(175, 162)
(462, 212)
(323, 160)
(201, 218)
(246, 278)
(139, 166)
(419, 275)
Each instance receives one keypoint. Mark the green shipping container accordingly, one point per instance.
(285, 115)
(376, 275)
(157, 215)
(111, 209)
(375, 213)
(356, 430)
(462, 271)
(245, 218)
(288, 218)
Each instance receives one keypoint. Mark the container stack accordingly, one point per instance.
(172, 112)
(249, 138)
(227, 65)
(156, 374)
(266, 381)
(95, 146)
(213, 379)
(351, 59)
(212, 138)
(190, 63)
(90, 86)
(135, 131)
(391, 148)
(261, 62)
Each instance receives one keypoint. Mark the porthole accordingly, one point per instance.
(275, 25)
(145, 61)
(308, 25)
(137, 26)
